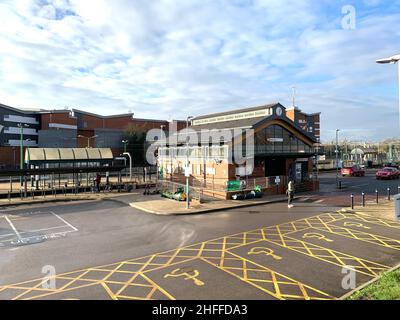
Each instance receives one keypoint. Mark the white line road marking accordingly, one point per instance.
(14, 229)
(32, 231)
(360, 185)
(67, 223)
(22, 236)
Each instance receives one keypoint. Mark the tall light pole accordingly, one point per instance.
(160, 170)
(337, 158)
(88, 139)
(21, 140)
(187, 172)
(393, 60)
(130, 165)
(21, 147)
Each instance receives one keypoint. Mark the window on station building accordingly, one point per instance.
(276, 139)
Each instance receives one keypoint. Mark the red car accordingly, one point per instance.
(388, 173)
(354, 171)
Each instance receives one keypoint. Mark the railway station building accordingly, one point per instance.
(274, 144)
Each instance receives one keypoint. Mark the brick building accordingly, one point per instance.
(279, 145)
(66, 128)
(308, 122)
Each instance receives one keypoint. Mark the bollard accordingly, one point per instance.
(398, 190)
(377, 196)
(388, 193)
(363, 199)
(352, 201)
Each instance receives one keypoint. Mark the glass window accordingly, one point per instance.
(278, 131)
(286, 141)
(276, 139)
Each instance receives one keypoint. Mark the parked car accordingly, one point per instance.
(388, 173)
(354, 171)
(391, 165)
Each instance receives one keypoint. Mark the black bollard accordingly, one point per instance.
(388, 193)
(363, 199)
(377, 196)
(352, 201)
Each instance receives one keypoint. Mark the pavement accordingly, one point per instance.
(162, 206)
(385, 210)
(49, 199)
(154, 204)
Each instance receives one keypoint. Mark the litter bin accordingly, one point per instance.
(396, 200)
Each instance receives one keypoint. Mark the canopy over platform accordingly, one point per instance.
(67, 154)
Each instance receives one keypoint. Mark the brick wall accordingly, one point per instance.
(7, 157)
(59, 118)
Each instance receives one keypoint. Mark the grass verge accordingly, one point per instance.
(386, 288)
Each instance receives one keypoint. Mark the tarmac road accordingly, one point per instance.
(265, 252)
(353, 185)
(109, 231)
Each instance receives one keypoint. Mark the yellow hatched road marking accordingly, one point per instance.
(338, 258)
(158, 287)
(379, 221)
(108, 290)
(67, 290)
(134, 276)
(217, 253)
(370, 268)
(277, 293)
(360, 235)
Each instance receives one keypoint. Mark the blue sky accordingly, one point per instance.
(169, 59)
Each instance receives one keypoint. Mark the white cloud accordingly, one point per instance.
(163, 59)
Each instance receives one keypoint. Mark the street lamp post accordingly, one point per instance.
(21, 127)
(21, 147)
(187, 172)
(393, 60)
(88, 139)
(130, 165)
(160, 175)
(337, 158)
